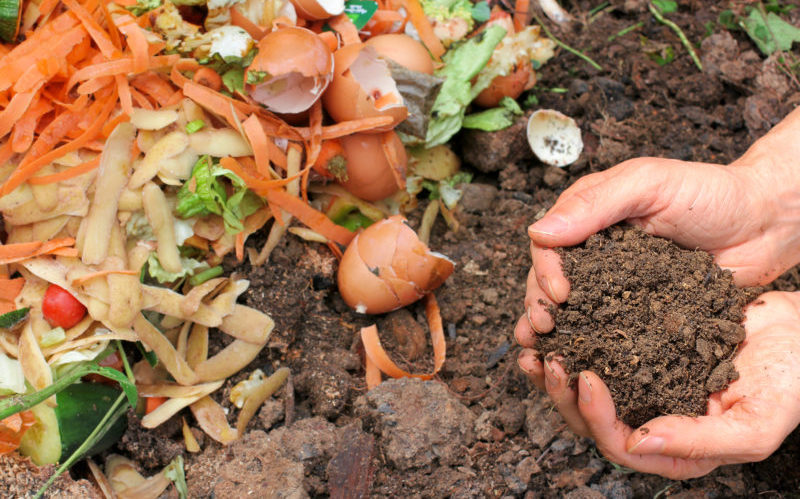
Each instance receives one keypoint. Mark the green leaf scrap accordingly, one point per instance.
(770, 34)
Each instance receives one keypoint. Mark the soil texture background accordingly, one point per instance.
(480, 429)
(658, 323)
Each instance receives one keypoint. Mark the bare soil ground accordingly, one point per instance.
(479, 429)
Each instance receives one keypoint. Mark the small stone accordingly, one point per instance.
(527, 468)
(477, 197)
(426, 423)
(270, 413)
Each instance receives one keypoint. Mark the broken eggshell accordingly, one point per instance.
(387, 267)
(403, 50)
(291, 71)
(376, 165)
(317, 10)
(554, 137)
(363, 87)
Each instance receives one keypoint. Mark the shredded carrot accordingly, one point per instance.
(314, 219)
(259, 143)
(346, 29)
(15, 110)
(213, 101)
(67, 174)
(328, 151)
(153, 85)
(239, 19)
(101, 273)
(17, 252)
(424, 28)
(137, 43)
(378, 356)
(98, 34)
(10, 288)
(22, 136)
(152, 403)
(13, 428)
(343, 128)
(239, 246)
(522, 16)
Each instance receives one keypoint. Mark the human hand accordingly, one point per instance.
(745, 422)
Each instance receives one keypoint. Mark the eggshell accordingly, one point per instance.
(317, 10)
(511, 85)
(299, 67)
(554, 137)
(403, 50)
(386, 267)
(376, 165)
(360, 77)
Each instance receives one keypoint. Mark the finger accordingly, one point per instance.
(630, 189)
(611, 435)
(547, 266)
(524, 333)
(565, 398)
(538, 306)
(529, 363)
(739, 435)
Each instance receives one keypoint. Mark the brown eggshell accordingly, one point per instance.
(511, 85)
(346, 99)
(403, 50)
(376, 165)
(375, 269)
(300, 56)
(317, 10)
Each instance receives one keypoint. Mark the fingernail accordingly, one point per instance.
(585, 390)
(550, 376)
(648, 445)
(550, 288)
(523, 356)
(530, 321)
(549, 226)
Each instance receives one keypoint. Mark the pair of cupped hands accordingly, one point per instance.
(746, 214)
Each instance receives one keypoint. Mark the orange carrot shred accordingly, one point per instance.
(10, 288)
(314, 219)
(239, 246)
(152, 403)
(258, 142)
(420, 21)
(137, 43)
(17, 252)
(69, 173)
(378, 356)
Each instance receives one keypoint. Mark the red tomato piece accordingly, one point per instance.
(114, 361)
(60, 308)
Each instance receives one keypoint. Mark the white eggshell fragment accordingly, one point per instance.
(554, 137)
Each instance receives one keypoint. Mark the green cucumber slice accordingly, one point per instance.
(81, 406)
(10, 14)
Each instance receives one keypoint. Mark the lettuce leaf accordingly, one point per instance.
(497, 118)
(462, 64)
(205, 194)
(189, 267)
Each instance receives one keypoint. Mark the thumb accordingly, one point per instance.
(599, 200)
(736, 436)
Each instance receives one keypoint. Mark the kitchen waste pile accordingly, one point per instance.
(143, 141)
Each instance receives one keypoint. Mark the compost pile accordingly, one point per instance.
(658, 323)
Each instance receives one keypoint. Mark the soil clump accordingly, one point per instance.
(658, 323)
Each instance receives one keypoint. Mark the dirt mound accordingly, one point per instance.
(658, 323)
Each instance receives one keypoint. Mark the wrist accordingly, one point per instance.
(770, 171)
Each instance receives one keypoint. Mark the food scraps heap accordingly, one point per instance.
(143, 141)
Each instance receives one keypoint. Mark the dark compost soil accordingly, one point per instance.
(658, 323)
(479, 429)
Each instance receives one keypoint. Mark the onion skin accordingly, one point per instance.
(511, 85)
(376, 165)
(387, 267)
